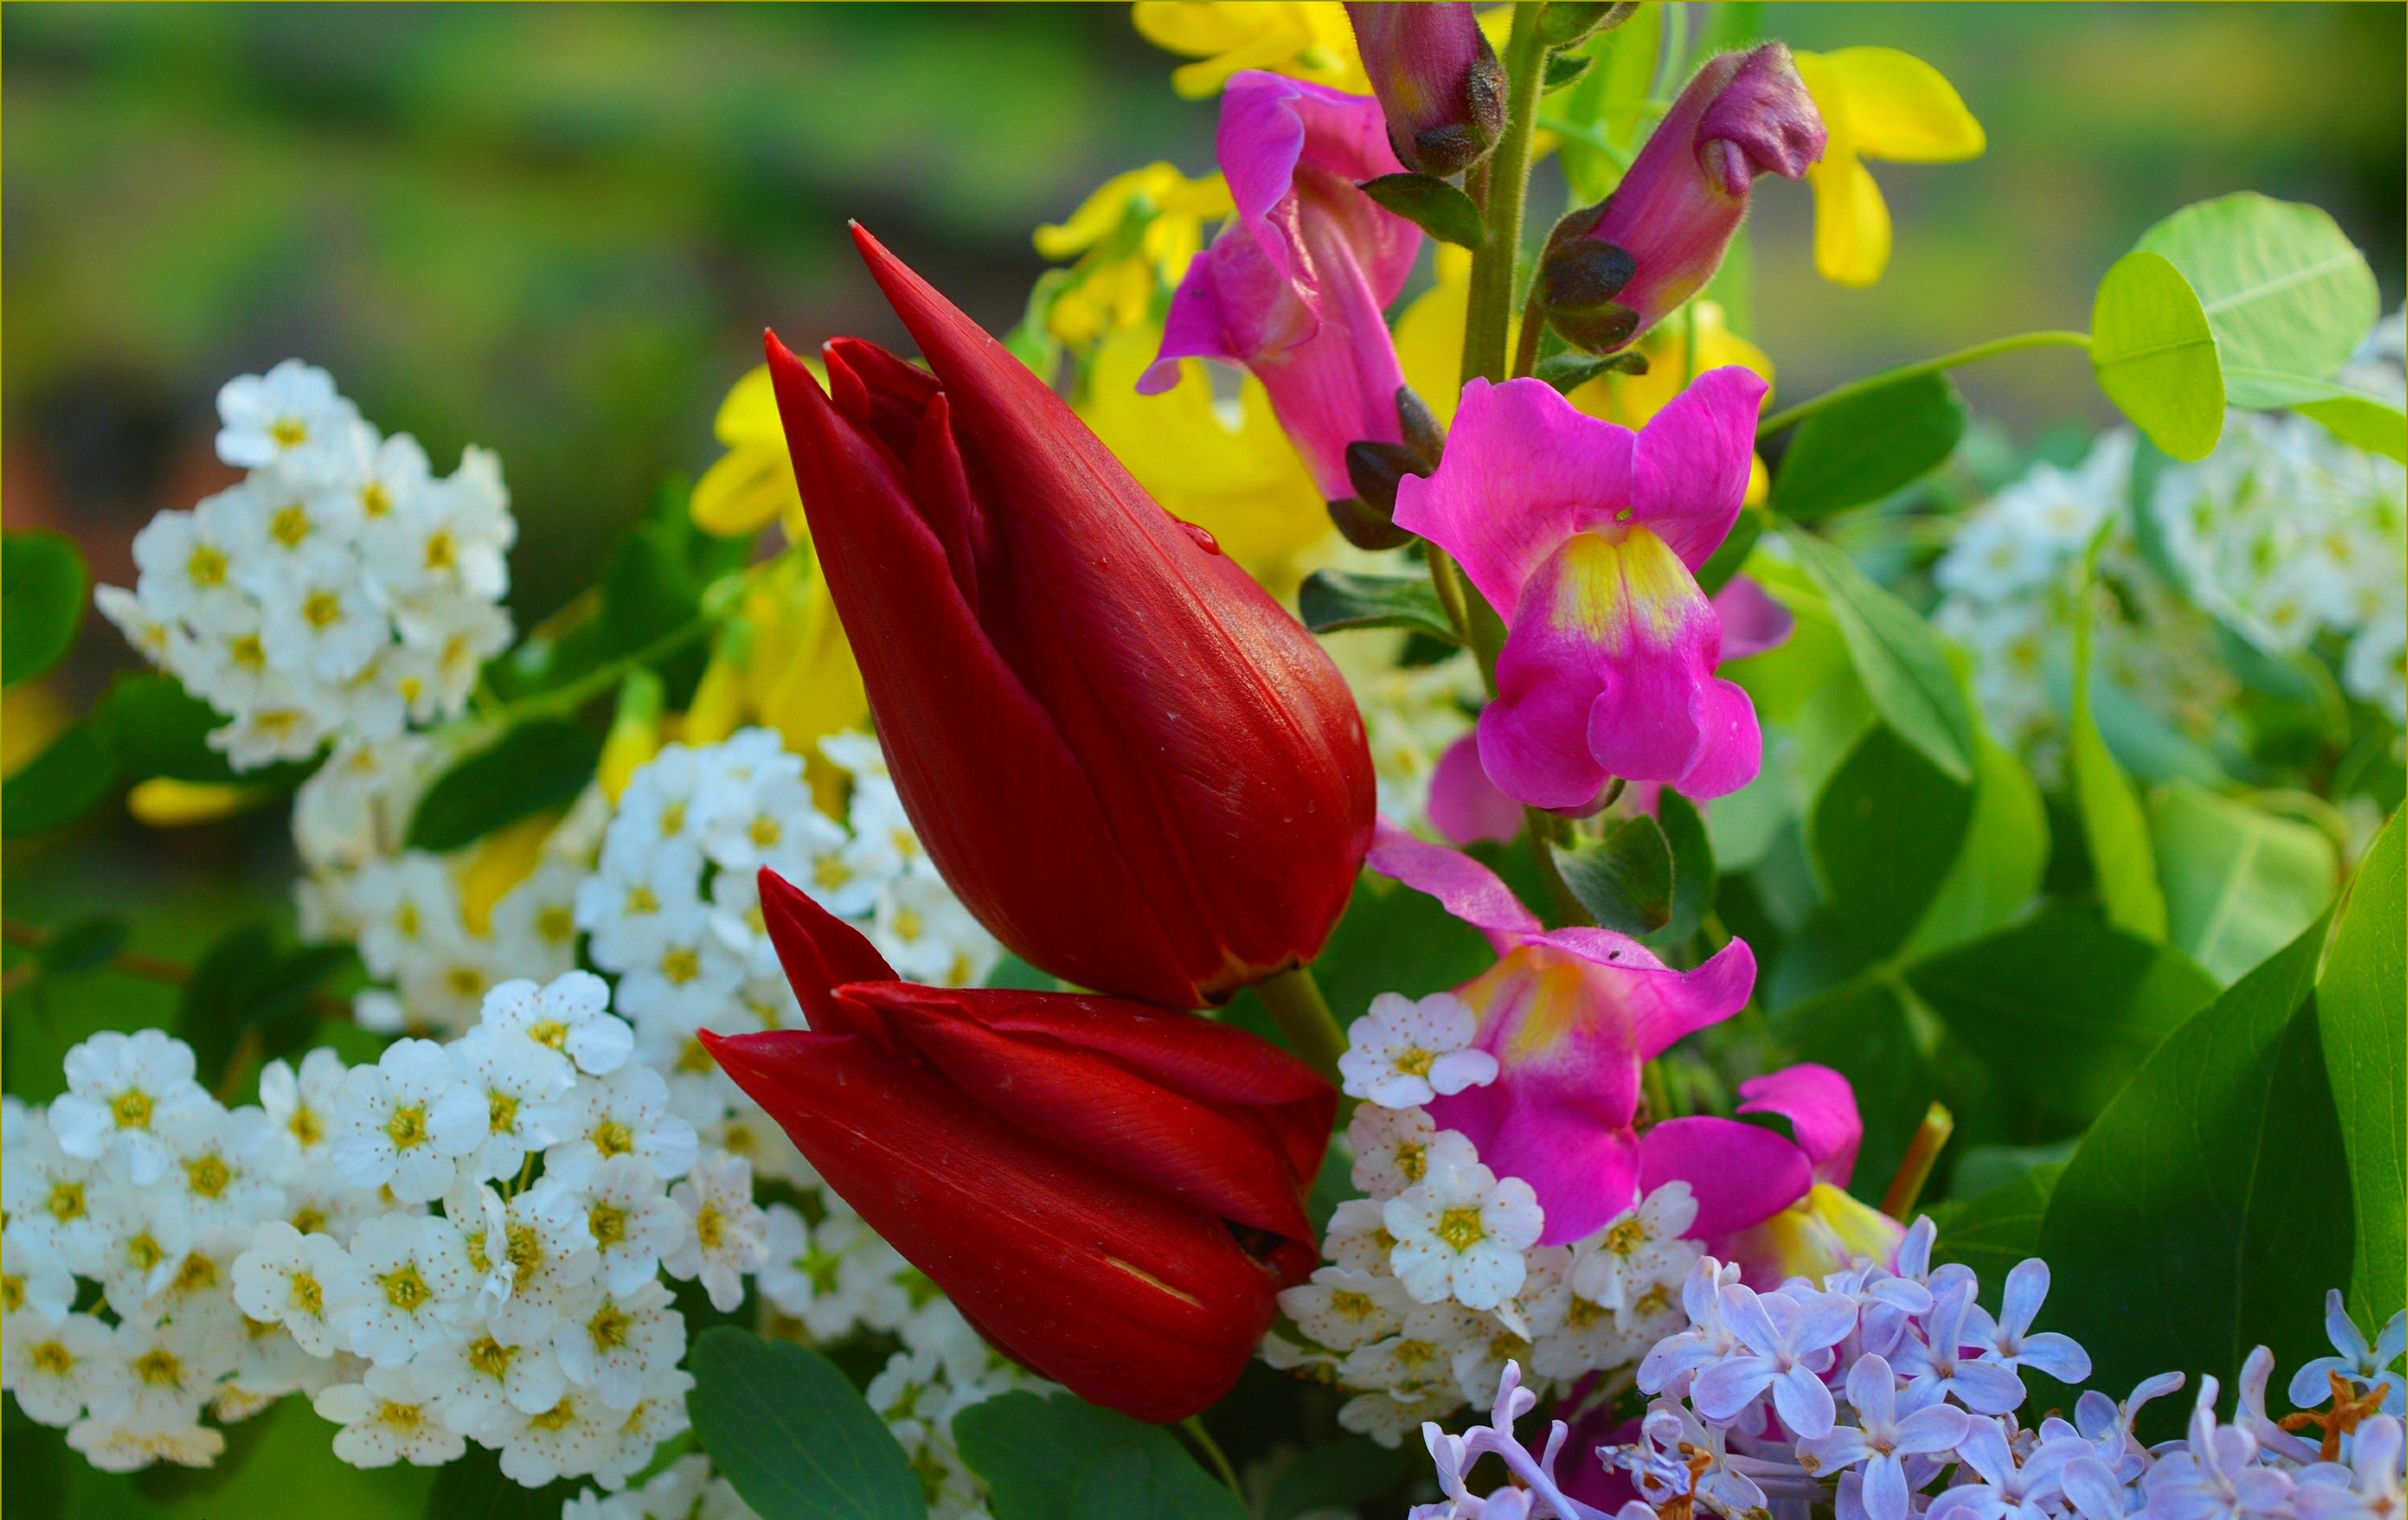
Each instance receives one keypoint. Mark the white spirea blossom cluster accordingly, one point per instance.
(1410, 713)
(339, 589)
(459, 1242)
(1890, 1395)
(1436, 1279)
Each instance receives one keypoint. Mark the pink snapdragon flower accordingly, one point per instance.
(1570, 1015)
(1587, 539)
(1293, 289)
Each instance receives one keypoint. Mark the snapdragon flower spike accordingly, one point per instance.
(1587, 539)
(1570, 1017)
(1111, 1193)
(1438, 83)
(1134, 767)
(1612, 270)
(1294, 287)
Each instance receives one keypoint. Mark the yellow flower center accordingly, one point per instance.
(53, 1359)
(407, 1129)
(710, 1228)
(1413, 1162)
(559, 1417)
(612, 1137)
(399, 1416)
(290, 525)
(66, 1201)
(525, 1249)
(556, 924)
(1626, 1237)
(1583, 1314)
(1414, 1061)
(501, 1112)
(440, 555)
(197, 1273)
(206, 567)
(306, 1127)
(159, 1367)
(406, 1290)
(248, 651)
(208, 1176)
(465, 981)
(695, 1058)
(641, 900)
(549, 1033)
(1414, 1354)
(375, 500)
(765, 831)
(830, 873)
(308, 1297)
(12, 1293)
(908, 925)
(289, 432)
(609, 1327)
(309, 1221)
(1460, 1228)
(672, 819)
(405, 921)
(491, 1357)
(130, 1109)
(321, 610)
(144, 1253)
(1348, 1304)
(609, 1222)
(680, 966)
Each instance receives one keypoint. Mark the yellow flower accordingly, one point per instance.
(1883, 104)
(784, 662)
(487, 870)
(753, 483)
(164, 802)
(1429, 333)
(1132, 238)
(1224, 466)
(1303, 38)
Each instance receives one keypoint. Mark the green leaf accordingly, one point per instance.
(1393, 938)
(782, 1424)
(61, 785)
(2209, 1208)
(2061, 1011)
(1993, 1232)
(536, 766)
(2286, 293)
(1625, 880)
(42, 585)
(473, 1487)
(157, 729)
(1562, 69)
(2239, 881)
(1999, 867)
(2358, 1000)
(1331, 600)
(1336, 1477)
(1429, 203)
(1868, 446)
(1693, 865)
(1884, 836)
(2111, 823)
(243, 983)
(1894, 1052)
(2155, 354)
(2364, 421)
(1737, 545)
(1898, 657)
(1571, 369)
(82, 945)
(1035, 1453)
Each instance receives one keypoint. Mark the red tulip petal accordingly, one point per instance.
(1129, 1298)
(819, 951)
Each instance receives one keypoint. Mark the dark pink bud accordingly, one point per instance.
(1439, 82)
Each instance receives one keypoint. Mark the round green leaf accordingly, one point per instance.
(2155, 354)
(785, 1427)
(2286, 293)
(1868, 446)
(42, 583)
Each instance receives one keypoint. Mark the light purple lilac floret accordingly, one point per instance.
(1891, 1394)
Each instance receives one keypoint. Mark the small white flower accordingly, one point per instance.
(387, 1417)
(535, 925)
(775, 825)
(300, 1109)
(726, 1235)
(415, 1266)
(478, 1212)
(35, 1277)
(187, 560)
(689, 973)
(49, 1196)
(322, 622)
(551, 1255)
(631, 1219)
(574, 1435)
(115, 1446)
(215, 1169)
(407, 906)
(617, 1339)
(158, 1372)
(1343, 1310)
(474, 1375)
(49, 1362)
(301, 1282)
(567, 1019)
(143, 1238)
(517, 1082)
(1392, 1148)
(119, 1088)
(833, 1276)
(926, 935)
(657, 1415)
(625, 1113)
(289, 415)
(1401, 1052)
(1638, 1249)
(1389, 1418)
(403, 1122)
(1460, 1233)
(1358, 1238)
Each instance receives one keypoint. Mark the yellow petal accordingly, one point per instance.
(164, 802)
(1429, 344)
(749, 413)
(716, 711)
(1309, 39)
(1851, 222)
(818, 690)
(1898, 108)
(636, 730)
(744, 491)
(1100, 213)
(498, 862)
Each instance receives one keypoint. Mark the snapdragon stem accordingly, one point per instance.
(1491, 305)
(1302, 1013)
(1897, 1201)
(1791, 416)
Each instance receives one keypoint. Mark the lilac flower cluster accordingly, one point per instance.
(1890, 1394)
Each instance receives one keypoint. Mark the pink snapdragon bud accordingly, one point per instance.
(1612, 270)
(1439, 82)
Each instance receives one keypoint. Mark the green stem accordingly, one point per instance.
(1491, 305)
(1799, 413)
(1534, 322)
(1203, 1439)
(1542, 829)
(1303, 1015)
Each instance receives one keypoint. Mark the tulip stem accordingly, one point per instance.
(1490, 309)
(1303, 1015)
(1791, 416)
(1194, 1425)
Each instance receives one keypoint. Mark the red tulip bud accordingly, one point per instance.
(1111, 1193)
(1137, 771)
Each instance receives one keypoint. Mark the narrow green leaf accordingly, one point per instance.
(1737, 545)
(1693, 867)
(2155, 354)
(1429, 203)
(2111, 820)
(782, 1424)
(1866, 447)
(61, 785)
(1562, 69)
(2359, 997)
(2209, 1209)
(536, 766)
(1336, 1477)
(1342, 599)
(1625, 880)
(2286, 293)
(2005, 855)
(1897, 655)
(1884, 833)
(42, 585)
(2239, 881)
